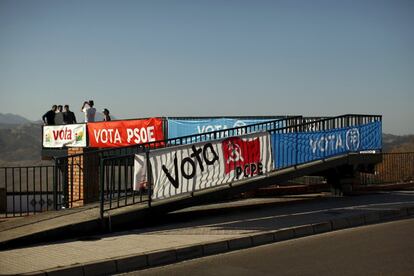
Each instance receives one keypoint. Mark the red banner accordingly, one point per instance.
(124, 133)
(240, 153)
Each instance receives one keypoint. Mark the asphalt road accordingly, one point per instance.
(381, 249)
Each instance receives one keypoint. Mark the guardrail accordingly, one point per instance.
(69, 177)
(27, 190)
(60, 184)
(57, 137)
(120, 196)
(395, 168)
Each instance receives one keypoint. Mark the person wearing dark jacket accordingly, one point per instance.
(49, 117)
(106, 115)
(68, 116)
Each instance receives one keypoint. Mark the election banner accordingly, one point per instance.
(60, 136)
(180, 128)
(297, 148)
(199, 166)
(124, 133)
(140, 172)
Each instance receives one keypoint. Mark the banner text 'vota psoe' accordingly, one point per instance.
(124, 133)
(60, 136)
(198, 166)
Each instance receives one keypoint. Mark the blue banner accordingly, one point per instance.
(297, 148)
(179, 128)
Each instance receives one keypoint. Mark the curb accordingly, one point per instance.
(173, 255)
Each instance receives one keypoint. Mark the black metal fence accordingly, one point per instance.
(117, 183)
(395, 168)
(60, 186)
(124, 194)
(117, 187)
(27, 190)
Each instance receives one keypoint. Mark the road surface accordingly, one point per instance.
(381, 249)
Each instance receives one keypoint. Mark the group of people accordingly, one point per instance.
(61, 115)
(58, 116)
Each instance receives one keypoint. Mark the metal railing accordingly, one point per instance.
(395, 168)
(27, 190)
(123, 193)
(70, 178)
(288, 147)
(117, 183)
(55, 187)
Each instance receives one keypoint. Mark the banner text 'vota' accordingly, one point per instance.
(179, 128)
(59, 136)
(297, 148)
(203, 165)
(124, 133)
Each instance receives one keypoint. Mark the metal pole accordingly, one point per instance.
(55, 197)
(101, 187)
(149, 178)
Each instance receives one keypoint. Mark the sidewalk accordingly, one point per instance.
(202, 231)
(48, 226)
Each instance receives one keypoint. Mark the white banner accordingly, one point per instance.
(198, 166)
(73, 135)
(140, 172)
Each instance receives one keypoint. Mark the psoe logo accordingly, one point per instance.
(352, 139)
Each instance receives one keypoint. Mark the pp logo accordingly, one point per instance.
(239, 123)
(240, 131)
(352, 139)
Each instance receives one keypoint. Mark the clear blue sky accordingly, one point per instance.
(174, 58)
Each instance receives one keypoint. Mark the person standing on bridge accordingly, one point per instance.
(89, 111)
(68, 116)
(59, 115)
(107, 118)
(49, 117)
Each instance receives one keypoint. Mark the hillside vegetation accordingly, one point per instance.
(20, 142)
(394, 143)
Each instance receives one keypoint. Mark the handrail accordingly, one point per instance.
(166, 141)
(125, 194)
(119, 156)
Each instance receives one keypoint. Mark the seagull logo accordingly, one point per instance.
(352, 139)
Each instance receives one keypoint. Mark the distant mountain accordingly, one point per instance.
(20, 142)
(394, 143)
(12, 119)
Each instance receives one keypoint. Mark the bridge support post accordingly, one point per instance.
(348, 184)
(3, 200)
(83, 176)
(334, 181)
(342, 180)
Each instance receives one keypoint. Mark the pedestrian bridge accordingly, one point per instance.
(122, 182)
(179, 171)
(193, 160)
(200, 168)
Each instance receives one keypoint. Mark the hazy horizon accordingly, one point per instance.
(210, 58)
